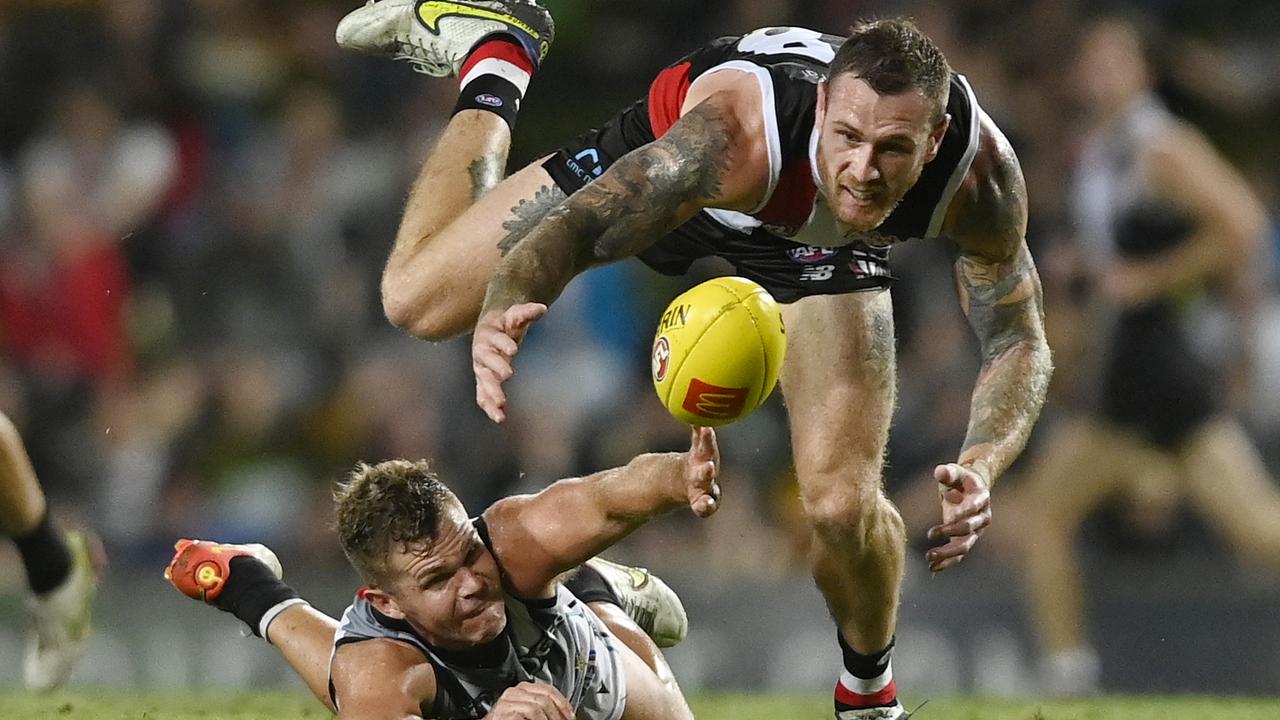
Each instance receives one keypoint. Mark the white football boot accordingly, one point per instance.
(891, 712)
(61, 620)
(647, 600)
(436, 35)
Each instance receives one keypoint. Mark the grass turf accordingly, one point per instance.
(275, 706)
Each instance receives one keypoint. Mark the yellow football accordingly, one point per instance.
(718, 350)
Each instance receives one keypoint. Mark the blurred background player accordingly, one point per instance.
(60, 567)
(468, 617)
(736, 150)
(1162, 222)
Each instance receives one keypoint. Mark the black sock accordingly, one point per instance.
(251, 590)
(864, 666)
(494, 78)
(871, 684)
(590, 586)
(491, 94)
(45, 556)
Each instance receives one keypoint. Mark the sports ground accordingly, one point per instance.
(277, 706)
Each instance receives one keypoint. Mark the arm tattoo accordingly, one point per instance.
(638, 200)
(527, 214)
(1003, 303)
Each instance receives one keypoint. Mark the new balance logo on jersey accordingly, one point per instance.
(712, 401)
(817, 273)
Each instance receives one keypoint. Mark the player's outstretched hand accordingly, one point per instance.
(966, 512)
(702, 468)
(531, 701)
(493, 350)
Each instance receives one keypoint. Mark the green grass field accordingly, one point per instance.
(274, 706)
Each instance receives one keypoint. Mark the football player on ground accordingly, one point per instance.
(800, 158)
(61, 569)
(467, 617)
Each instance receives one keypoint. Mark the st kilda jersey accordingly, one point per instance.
(790, 243)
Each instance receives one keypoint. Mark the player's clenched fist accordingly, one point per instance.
(531, 701)
(493, 349)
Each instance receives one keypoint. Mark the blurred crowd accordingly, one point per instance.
(197, 196)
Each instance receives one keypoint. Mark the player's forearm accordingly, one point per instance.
(625, 498)
(1007, 398)
(1003, 302)
(543, 535)
(640, 198)
(587, 515)
(602, 222)
(539, 266)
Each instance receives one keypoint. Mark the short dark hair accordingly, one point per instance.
(893, 56)
(378, 506)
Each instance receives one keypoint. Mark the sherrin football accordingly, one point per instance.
(718, 350)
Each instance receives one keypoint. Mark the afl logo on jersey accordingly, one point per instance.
(809, 254)
(661, 359)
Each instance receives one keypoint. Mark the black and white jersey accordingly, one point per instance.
(788, 243)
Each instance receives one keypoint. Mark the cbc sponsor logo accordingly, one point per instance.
(712, 401)
(810, 254)
(661, 359)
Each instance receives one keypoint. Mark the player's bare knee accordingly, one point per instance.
(852, 517)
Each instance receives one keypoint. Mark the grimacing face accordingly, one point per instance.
(871, 148)
(449, 590)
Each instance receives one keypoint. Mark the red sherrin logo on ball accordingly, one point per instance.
(712, 401)
(661, 358)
